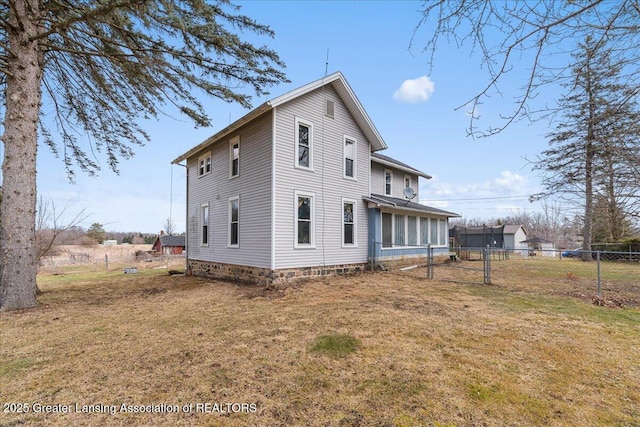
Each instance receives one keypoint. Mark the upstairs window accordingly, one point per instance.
(204, 164)
(388, 178)
(234, 157)
(349, 158)
(304, 144)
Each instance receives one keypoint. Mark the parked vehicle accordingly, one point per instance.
(573, 253)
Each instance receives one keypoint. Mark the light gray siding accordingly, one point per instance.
(252, 186)
(325, 181)
(397, 182)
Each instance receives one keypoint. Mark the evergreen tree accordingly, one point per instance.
(599, 122)
(96, 233)
(100, 66)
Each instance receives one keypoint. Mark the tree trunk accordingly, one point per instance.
(588, 166)
(588, 205)
(17, 213)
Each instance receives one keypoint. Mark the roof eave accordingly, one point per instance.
(257, 112)
(351, 101)
(379, 202)
(400, 167)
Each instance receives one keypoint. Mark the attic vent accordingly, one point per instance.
(329, 110)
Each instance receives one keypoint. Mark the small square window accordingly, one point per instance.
(204, 164)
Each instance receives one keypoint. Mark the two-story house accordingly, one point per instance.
(296, 188)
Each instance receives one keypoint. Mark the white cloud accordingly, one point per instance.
(416, 90)
(499, 195)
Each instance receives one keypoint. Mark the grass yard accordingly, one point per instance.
(375, 349)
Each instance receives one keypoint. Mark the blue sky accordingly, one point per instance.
(413, 108)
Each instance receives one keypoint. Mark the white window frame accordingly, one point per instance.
(230, 222)
(404, 230)
(312, 226)
(442, 232)
(384, 182)
(353, 141)
(426, 230)
(235, 140)
(203, 233)
(299, 121)
(407, 178)
(355, 223)
(205, 159)
(433, 223)
(416, 235)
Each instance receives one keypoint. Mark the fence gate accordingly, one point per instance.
(460, 266)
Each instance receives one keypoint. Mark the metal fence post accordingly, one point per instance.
(487, 265)
(429, 262)
(599, 275)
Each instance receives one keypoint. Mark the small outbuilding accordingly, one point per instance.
(514, 235)
(169, 245)
(538, 245)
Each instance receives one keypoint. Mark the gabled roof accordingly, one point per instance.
(339, 84)
(388, 161)
(536, 240)
(172, 241)
(513, 229)
(404, 204)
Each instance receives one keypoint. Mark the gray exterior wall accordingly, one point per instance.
(397, 182)
(325, 181)
(252, 186)
(512, 241)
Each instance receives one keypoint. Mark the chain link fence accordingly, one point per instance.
(609, 278)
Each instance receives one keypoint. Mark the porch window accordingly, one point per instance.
(424, 231)
(433, 237)
(387, 232)
(412, 231)
(442, 235)
(399, 230)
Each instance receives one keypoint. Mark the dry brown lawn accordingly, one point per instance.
(430, 353)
